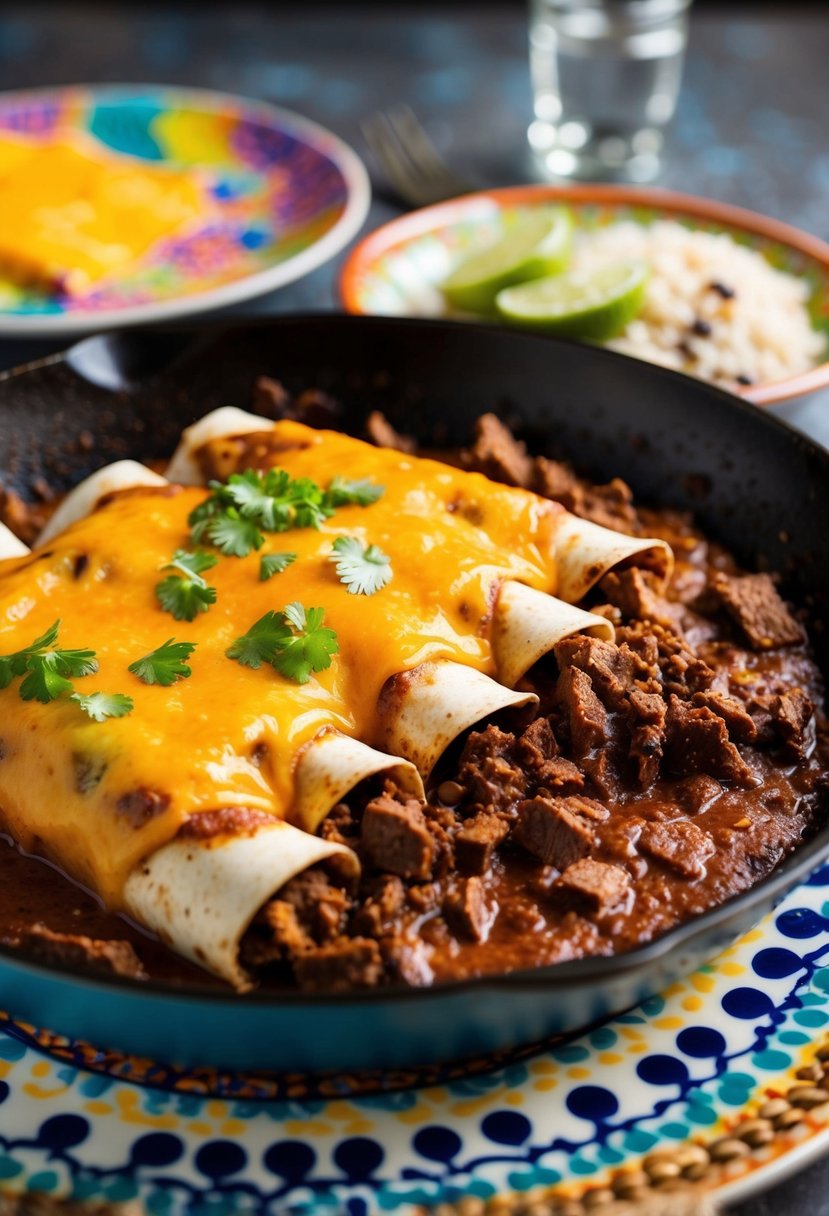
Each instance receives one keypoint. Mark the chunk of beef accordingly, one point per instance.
(586, 716)
(319, 904)
(741, 726)
(554, 830)
(680, 844)
(488, 770)
(697, 742)
(681, 671)
(537, 750)
(753, 601)
(792, 713)
(339, 966)
(466, 911)
(498, 454)
(316, 408)
(381, 432)
(477, 840)
(275, 935)
(395, 838)
(694, 794)
(385, 901)
(609, 505)
(86, 953)
(593, 886)
(340, 826)
(270, 398)
(407, 959)
(634, 592)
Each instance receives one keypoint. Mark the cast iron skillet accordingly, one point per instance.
(755, 484)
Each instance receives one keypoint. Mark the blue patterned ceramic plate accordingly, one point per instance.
(279, 196)
(693, 1065)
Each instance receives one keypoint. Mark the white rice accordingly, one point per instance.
(761, 334)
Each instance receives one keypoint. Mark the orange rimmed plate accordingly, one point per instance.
(396, 270)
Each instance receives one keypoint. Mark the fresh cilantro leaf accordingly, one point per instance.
(12, 665)
(186, 593)
(75, 663)
(274, 563)
(102, 705)
(260, 643)
(363, 571)
(310, 648)
(363, 493)
(47, 676)
(293, 641)
(239, 510)
(165, 664)
(192, 564)
(234, 535)
(44, 681)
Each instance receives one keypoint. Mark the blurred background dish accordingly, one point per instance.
(140, 203)
(769, 344)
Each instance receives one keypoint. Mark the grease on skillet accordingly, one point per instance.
(661, 775)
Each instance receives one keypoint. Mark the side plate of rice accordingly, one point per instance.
(733, 297)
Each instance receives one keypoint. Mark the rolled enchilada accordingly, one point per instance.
(197, 806)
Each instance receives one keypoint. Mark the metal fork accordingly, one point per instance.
(412, 164)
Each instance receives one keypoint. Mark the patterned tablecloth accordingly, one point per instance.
(750, 129)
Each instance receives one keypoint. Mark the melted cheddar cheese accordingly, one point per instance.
(100, 796)
(71, 213)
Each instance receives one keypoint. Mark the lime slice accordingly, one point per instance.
(538, 245)
(594, 304)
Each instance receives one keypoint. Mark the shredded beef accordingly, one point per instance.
(381, 432)
(498, 454)
(395, 837)
(680, 844)
(594, 886)
(755, 604)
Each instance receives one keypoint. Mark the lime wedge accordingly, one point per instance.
(538, 245)
(592, 304)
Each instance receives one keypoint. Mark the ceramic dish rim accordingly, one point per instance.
(796, 867)
(425, 219)
(341, 154)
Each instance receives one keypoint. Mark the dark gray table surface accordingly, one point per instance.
(751, 128)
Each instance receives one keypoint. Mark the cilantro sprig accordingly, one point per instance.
(363, 570)
(46, 672)
(239, 511)
(185, 594)
(274, 563)
(295, 642)
(164, 665)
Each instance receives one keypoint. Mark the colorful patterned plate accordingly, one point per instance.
(717, 1084)
(284, 196)
(395, 271)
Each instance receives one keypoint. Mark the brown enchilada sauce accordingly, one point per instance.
(661, 775)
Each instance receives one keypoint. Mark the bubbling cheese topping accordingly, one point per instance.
(99, 797)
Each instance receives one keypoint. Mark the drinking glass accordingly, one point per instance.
(606, 77)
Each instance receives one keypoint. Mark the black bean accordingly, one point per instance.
(722, 289)
(701, 328)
